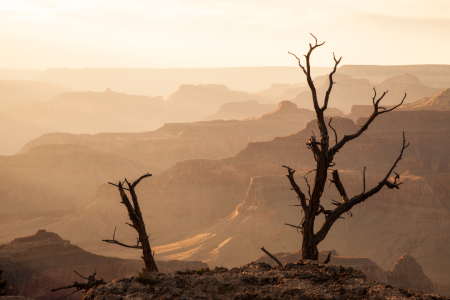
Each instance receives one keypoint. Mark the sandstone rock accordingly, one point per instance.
(441, 102)
(407, 273)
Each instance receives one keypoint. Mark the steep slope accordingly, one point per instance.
(36, 264)
(240, 110)
(279, 91)
(441, 102)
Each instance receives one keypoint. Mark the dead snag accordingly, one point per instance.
(137, 222)
(271, 256)
(323, 154)
(91, 282)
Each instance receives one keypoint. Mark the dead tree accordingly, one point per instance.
(137, 222)
(91, 282)
(324, 154)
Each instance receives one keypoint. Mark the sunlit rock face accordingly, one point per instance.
(36, 264)
(441, 102)
(407, 273)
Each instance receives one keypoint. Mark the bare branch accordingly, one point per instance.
(345, 207)
(271, 256)
(363, 128)
(337, 182)
(121, 244)
(92, 282)
(296, 187)
(136, 182)
(298, 227)
(335, 134)
(330, 78)
(328, 259)
(117, 186)
(309, 187)
(299, 62)
(364, 180)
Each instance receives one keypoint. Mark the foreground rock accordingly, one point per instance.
(406, 273)
(302, 280)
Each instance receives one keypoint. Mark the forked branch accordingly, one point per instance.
(376, 112)
(296, 188)
(345, 207)
(92, 282)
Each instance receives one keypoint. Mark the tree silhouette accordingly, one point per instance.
(324, 155)
(3, 284)
(134, 212)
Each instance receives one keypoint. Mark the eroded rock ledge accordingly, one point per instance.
(300, 280)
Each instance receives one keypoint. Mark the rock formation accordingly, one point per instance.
(280, 92)
(300, 280)
(441, 102)
(346, 93)
(407, 273)
(176, 142)
(240, 110)
(252, 109)
(350, 91)
(163, 82)
(437, 76)
(36, 264)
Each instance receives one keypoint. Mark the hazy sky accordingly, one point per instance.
(38, 34)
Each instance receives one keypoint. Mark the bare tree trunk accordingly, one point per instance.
(324, 156)
(134, 212)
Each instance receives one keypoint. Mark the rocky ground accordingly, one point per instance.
(300, 280)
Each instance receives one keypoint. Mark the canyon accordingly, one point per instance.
(218, 192)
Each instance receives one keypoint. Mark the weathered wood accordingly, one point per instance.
(272, 257)
(137, 222)
(324, 156)
(91, 282)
